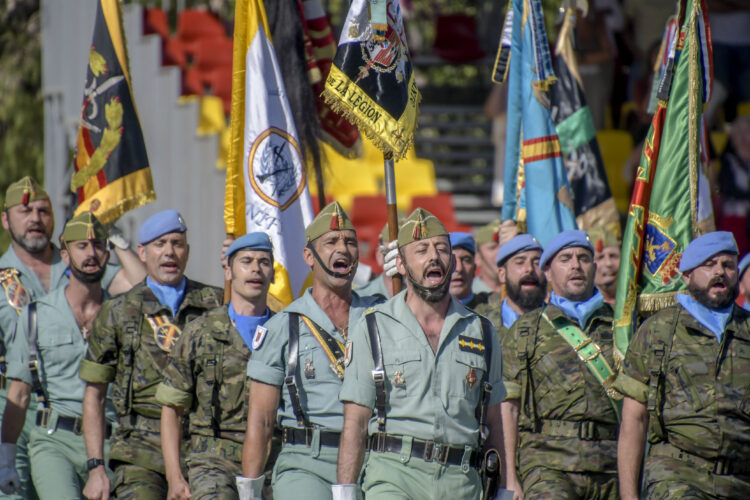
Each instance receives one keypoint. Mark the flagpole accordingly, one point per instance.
(321, 192)
(228, 283)
(390, 203)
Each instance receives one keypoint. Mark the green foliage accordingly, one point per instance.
(21, 106)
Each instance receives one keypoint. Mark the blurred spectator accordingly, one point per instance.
(596, 54)
(734, 184)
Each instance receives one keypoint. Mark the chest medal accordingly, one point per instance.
(166, 333)
(309, 369)
(15, 293)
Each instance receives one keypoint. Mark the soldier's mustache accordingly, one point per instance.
(529, 279)
(717, 281)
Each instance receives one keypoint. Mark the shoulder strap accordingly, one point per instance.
(378, 374)
(591, 354)
(658, 356)
(526, 341)
(291, 370)
(332, 347)
(486, 386)
(36, 382)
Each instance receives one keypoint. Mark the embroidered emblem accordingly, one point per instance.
(309, 369)
(166, 335)
(15, 293)
(471, 377)
(398, 379)
(348, 353)
(470, 344)
(259, 337)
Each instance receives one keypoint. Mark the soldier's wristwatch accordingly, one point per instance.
(93, 463)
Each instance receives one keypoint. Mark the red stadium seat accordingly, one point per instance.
(369, 210)
(174, 53)
(193, 82)
(193, 24)
(219, 83)
(212, 53)
(439, 205)
(155, 22)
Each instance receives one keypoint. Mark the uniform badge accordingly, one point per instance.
(398, 379)
(348, 353)
(309, 369)
(259, 337)
(166, 335)
(15, 293)
(471, 377)
(469, 344)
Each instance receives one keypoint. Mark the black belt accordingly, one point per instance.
(426, 450)
(304, 436)
(3, 382)
(719, 466)
(72, 424)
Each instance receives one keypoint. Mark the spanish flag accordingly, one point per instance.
(371, 82)
(266, 186)
(670, 204)
(112, 174)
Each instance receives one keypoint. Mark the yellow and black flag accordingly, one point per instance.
(112, 174)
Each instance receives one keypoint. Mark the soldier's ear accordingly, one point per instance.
(142, 253)
(501, 274)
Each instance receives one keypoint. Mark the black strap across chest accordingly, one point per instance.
(291, 370)
(36, 382)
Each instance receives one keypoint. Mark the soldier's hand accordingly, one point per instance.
(515, 487)
(97, 487)
(10, 483)
(508, 231)
(224, 247)
(390, 251)
(178, 489)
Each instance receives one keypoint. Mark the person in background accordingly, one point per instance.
(464, 249)
(607, 259)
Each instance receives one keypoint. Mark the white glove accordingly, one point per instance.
(250, 488)
(117, 238)
(344, 491)
(9, 481)
(390, 251)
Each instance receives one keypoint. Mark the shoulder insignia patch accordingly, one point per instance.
(470, 344)
(348, 353)
(259, 337)
(15, 293)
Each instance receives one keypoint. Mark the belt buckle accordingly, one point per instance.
(441, 453)
(587, 430)
(722, 467)
(46, 413)
(78, 426)
(284, 435)
(586, 359)
(429, 448)
(378, 442)
(307, 436)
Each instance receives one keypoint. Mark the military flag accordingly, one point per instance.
(592, 198)
(112, 174)
(266, 186)
(536, 195)
(667, 210)
(371, 81)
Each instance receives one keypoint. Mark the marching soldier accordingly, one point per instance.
(44, 353)
(32, 267)
(129, 347)
(207, 376)
(464, 249)
(561, 423)
(297, 368)
(488, 239)
(423, 380)
(744, 298)
(525, 284)
(607, 259)
(686, 380)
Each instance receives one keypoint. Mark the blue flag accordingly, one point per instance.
(537, 195)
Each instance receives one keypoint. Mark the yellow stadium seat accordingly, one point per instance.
(743, 109)
(414, 177)
(719, 140)
(616, 146)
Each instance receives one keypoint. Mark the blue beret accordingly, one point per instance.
(706, 246)
(250, 241)
(519, 243)
(744, 264)
(566, 239)
(165, 222)
(463, 240)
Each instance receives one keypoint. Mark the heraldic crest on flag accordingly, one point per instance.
(371, 81)
(670, 204)
(112, 173)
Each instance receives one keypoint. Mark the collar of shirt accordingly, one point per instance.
(247, 325)
(746, 305)
(169, 296)
(509, 315)
(714, 319)
(29, 279)
(466, 300)
(581, 311)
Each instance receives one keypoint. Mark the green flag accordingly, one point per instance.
(670, 203)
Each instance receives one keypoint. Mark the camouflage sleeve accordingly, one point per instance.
(268, 362)
(17, 354)
(100, 363)
(632, 380)
(511, 364)
(178, 385)
(358, 386)
(499, 392)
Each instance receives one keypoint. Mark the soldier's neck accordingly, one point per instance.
(429, 315)
(39, 262)
(335, 303)
(249, 307)
(80, 295)
(516, 307)
(490, 279)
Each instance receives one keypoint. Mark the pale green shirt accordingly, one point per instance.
(429, 395)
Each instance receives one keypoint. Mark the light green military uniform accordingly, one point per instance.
(374, 287)
(58, 456)
(429, 397)
(697, 392)
(207, 376)
(123, 350)
(305, 471)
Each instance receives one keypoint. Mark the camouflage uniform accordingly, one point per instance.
(123, 349)
(206, 376)
(567, 440)
(478, 300)
(697, 392)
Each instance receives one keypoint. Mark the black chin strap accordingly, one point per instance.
(428, 289)
(329, 271)
(64, 246)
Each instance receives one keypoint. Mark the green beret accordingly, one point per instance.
(84, 226)
(420, 225)
(331, 218)
(488, 233)
(601, 238)
(24, 192)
